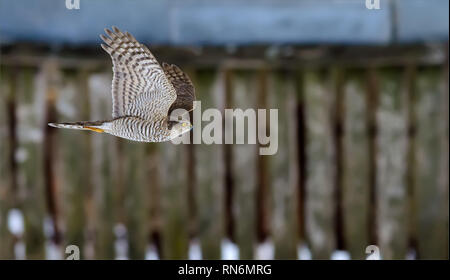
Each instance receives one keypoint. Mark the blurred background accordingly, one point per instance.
(362, 146)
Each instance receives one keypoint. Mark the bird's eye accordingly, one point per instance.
(184, 124)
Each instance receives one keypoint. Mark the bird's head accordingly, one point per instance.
(179, 128)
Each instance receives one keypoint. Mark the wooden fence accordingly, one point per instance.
(362, 159)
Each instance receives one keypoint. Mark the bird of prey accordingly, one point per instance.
(144, 94)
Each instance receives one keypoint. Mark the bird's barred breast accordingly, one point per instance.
(138, 129)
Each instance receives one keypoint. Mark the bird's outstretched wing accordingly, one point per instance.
(139, 86)
(183, 87)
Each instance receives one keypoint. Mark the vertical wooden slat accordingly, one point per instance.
(372, 89)
(6, 238)
(301, 134)
(410, 82)
(30, 138)
(191, 175)
(318, 100)
(244, 166)
(119, 163)
(263, 195)
(174, 208)
(431, 163)
(103, 157)
(355, 169)
(337, 84)
(154, 200)
(391, 141)
(136, 198)
(88, 203)
(284, 168)
(52, 80)
(11, 110)
(228, 158)
(154, 197)
(76, 153)
(210, 170)
(444, 143)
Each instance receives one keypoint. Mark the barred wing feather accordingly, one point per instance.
(139, 86)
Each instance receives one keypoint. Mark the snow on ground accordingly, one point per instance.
(303, 252)
(151, 253)
(411, 254)
(195, 251)
(121, 243)
(230, 250)
(52, 251)
(264, 251)
(19, 250)
(16, 227)
(15, 222)
(340, 255)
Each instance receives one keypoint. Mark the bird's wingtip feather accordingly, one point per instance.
(106, 48)
(109, 32)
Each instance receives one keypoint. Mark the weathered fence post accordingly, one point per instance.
(355, 165)
(431, 162)
(6, 238)
(244, 164)
(136, 185)
(391, 156)
(228, 158)
(412, 231)
(52, 82)
(318, 102)
(103, 160)
(154, 197)
(76, 155)
(209, 170)
(301, 135)
(263, 189)
(173, 172)
(30, 137)
(284, 168)
(337, 84)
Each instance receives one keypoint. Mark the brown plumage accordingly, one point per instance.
(183, 86)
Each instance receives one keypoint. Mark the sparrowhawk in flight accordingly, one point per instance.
(144, 94)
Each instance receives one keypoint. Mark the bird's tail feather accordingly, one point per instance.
(98, 126)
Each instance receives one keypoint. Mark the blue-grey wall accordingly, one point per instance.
(218, 22)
